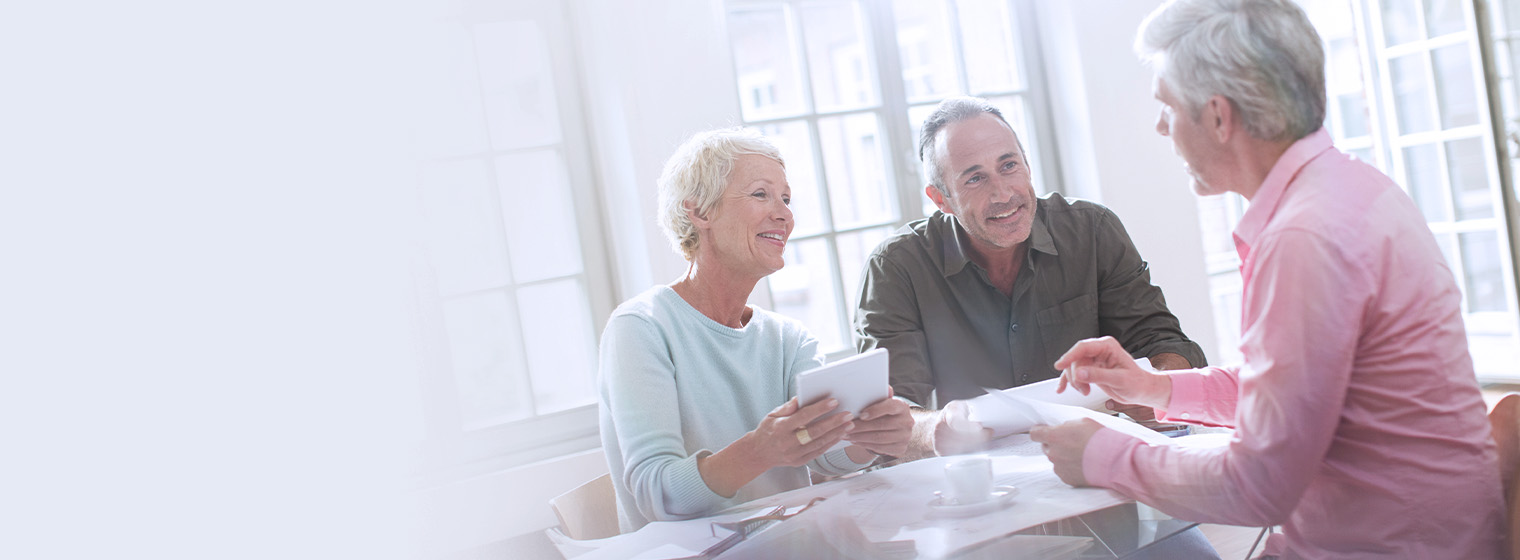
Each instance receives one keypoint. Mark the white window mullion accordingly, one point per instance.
(957, 46)
(900, 149)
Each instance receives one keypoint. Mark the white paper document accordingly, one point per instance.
(1016, 410)
(1042, 413)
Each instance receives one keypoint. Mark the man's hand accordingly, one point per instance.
(955, 433)
(1103, 362)
(1064, 446)
(1140, 412)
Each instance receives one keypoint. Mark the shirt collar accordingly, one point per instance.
(954, 239)
(1264, 204)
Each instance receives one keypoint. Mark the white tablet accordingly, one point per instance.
(857, 381)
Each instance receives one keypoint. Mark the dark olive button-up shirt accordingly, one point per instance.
(947, 328)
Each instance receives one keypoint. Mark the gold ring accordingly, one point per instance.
(803, 437)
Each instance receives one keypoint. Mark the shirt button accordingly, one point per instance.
(1013, 328)
(1185, 416)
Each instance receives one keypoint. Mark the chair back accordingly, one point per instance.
(590, 510)
(1505, 418)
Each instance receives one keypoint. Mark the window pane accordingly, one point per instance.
(1505, 56)
(1353, 107)
(1480, 263)
(804, 290)
(1225, 293)
(853, 249)
(916, 116)
(857, 177)
(923, 43)
(769, 82)
(1424, 172)
(539, 215)
(560, 344)
(1507, 19)
(1448, 244)
(1443, 16)
(1366, 156)
(987, 43)
(486, 350)
(1468, 169)
(517, 84)
(839, 57)
(466, 245)
(1400, 21)
(1411, 94)
(1454, 86)
(1215, 223)
(796, 147)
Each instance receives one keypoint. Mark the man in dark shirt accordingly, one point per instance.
(992, 289)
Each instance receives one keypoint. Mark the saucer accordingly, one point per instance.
(1001, 496)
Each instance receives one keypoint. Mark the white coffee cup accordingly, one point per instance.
(970, 479)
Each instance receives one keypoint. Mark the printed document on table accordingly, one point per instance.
(1016, 410)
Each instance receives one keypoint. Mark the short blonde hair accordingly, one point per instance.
(697, 174)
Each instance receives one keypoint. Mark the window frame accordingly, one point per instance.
(1480, 55)
(1386, 143)
(449, 449)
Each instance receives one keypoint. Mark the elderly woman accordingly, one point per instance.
(698, 390)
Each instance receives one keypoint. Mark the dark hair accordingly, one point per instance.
(951, 111)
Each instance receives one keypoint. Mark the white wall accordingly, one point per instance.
(1105, 124)
(656, 72)
(205, 348)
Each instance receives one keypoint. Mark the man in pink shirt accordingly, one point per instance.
(1359, 427)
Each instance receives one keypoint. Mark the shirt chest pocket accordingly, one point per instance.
(1065, 323)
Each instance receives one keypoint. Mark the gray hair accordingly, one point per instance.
(1262, 55)
(697, 173)
(951, 111)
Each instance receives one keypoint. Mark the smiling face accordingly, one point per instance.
(746, 232)
(1190, 139)
(987, 176)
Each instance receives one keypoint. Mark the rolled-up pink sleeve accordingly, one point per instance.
(1203, 396)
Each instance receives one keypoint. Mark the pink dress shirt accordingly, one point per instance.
(1358, 422)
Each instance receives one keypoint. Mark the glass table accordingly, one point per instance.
(895, 512)
(1120, 531)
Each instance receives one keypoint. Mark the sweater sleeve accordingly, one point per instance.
(639, 387)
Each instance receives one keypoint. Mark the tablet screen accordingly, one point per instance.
(857, 381)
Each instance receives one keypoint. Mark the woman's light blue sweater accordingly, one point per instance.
(676, 385)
